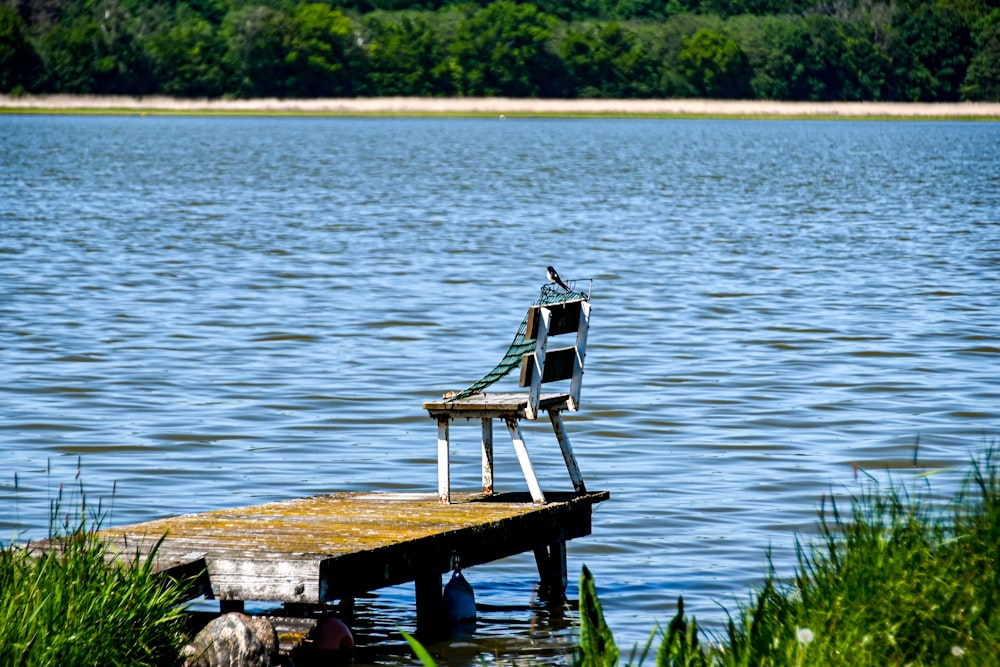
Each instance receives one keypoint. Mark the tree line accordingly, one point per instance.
(816, 50)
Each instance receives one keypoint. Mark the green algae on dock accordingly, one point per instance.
(328, 547)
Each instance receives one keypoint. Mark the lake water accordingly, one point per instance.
(209, 312)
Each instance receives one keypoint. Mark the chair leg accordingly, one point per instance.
(522, 456)
(487, 456)
(444, 472)
(567, 451)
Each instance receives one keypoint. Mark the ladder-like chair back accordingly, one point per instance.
(546, 365)
(557, 356)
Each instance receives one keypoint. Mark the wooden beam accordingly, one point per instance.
(581, 356)
(560, 364)
(522, 457)
(535, 387)
(551, 562)
(487, 456)
(495, 406)
(444, 461)
(567, 451)
(565, 318)
(430, 605)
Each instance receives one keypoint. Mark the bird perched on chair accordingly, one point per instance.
(554, 278)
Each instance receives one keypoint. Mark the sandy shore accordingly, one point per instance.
(417, 106)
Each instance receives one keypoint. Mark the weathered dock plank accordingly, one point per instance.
(338, 546)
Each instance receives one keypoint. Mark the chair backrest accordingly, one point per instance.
(546, 365)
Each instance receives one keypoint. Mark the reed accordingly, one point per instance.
(897, 580)
(70, 606)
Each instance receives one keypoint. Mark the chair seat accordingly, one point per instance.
(494, 406)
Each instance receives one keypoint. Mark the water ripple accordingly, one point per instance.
(212, 311)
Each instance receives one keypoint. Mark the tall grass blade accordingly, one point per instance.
(597, 643)
(418, 649)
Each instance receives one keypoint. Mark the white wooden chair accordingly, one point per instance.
(546, 364)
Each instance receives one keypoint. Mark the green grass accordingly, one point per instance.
(68, 606)
(896, 580)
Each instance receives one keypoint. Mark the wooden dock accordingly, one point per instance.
(310, 551)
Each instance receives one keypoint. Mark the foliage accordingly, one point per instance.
(255, 53)
(982, 81)
(713, 65)
(899, 581)
(597, 644)
(503, 50)
(67, 606)
(188, 58)
(607, 60)
(894, 50)
(319, 53)
(404, 56)
(422, 653)
(19, 64)
(930, 49)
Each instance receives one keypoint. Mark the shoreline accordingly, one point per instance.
(498, 106)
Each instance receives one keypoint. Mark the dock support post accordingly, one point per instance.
(430, 604)
(522, 456)
(444, 461)
(488, 456)
(567, 451)
(551, 562)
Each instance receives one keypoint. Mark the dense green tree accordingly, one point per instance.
(321, 54)
(864, 63)
(125, 68)
(604, 60)
(188, 58)
(70, 53)
(405, 57)
(842, 64)
(930, 47)
(920, 50)
(96, 53)
(755, 7)
(212, 11)
(813, 58)
(568, 10)
(982, 81)
(255, 51)
(503, 50)
(712, 65)
(41, 15)
(310, 52)
(19, 64)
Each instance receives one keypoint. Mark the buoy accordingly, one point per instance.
(330, 643)
(332, 634)
(459, 600)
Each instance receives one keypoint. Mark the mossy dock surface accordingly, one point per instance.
(328, 547)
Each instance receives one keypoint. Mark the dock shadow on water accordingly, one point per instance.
(220, 312)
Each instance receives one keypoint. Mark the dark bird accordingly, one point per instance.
(554, 278)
